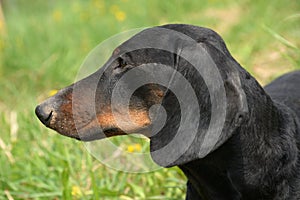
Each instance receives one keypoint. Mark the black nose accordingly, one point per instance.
(44, 114)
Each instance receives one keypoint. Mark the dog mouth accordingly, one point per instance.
(106, 125)
(80, 124)
(88, 133)
(94, 131)
(110, 132)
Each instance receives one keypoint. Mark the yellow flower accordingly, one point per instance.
(52, 92)
(120, 16)
(76, 191)
(57, 15)
(130, 148)
(138, 147)
(134, 148)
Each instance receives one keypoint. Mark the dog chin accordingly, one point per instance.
(88, 135)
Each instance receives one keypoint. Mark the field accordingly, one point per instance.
(42, 46)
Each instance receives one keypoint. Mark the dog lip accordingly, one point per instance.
(96, 134)
(110, 131)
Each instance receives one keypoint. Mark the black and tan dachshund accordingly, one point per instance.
(256, 154)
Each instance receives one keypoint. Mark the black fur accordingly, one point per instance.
(257, 155)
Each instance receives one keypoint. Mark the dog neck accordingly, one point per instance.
(210, 178)
(244, 165)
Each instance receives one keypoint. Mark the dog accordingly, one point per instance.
(232, 138)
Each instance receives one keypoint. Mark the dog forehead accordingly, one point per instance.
(155, 38)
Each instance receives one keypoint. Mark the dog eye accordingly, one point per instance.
(122, 63)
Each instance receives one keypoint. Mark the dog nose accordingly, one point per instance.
(44, 113)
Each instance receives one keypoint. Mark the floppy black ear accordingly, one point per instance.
(204, 110)
(237, 106)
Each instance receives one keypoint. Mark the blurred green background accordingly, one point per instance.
(42, 45)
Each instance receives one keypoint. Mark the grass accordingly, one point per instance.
(43, 48)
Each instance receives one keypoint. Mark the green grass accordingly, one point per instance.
(45, 44)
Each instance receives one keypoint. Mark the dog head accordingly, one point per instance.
(176, 84)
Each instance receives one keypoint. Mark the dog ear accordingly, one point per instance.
(237, 111)
(205, 112)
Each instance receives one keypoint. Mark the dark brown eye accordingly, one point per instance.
(122, 63)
